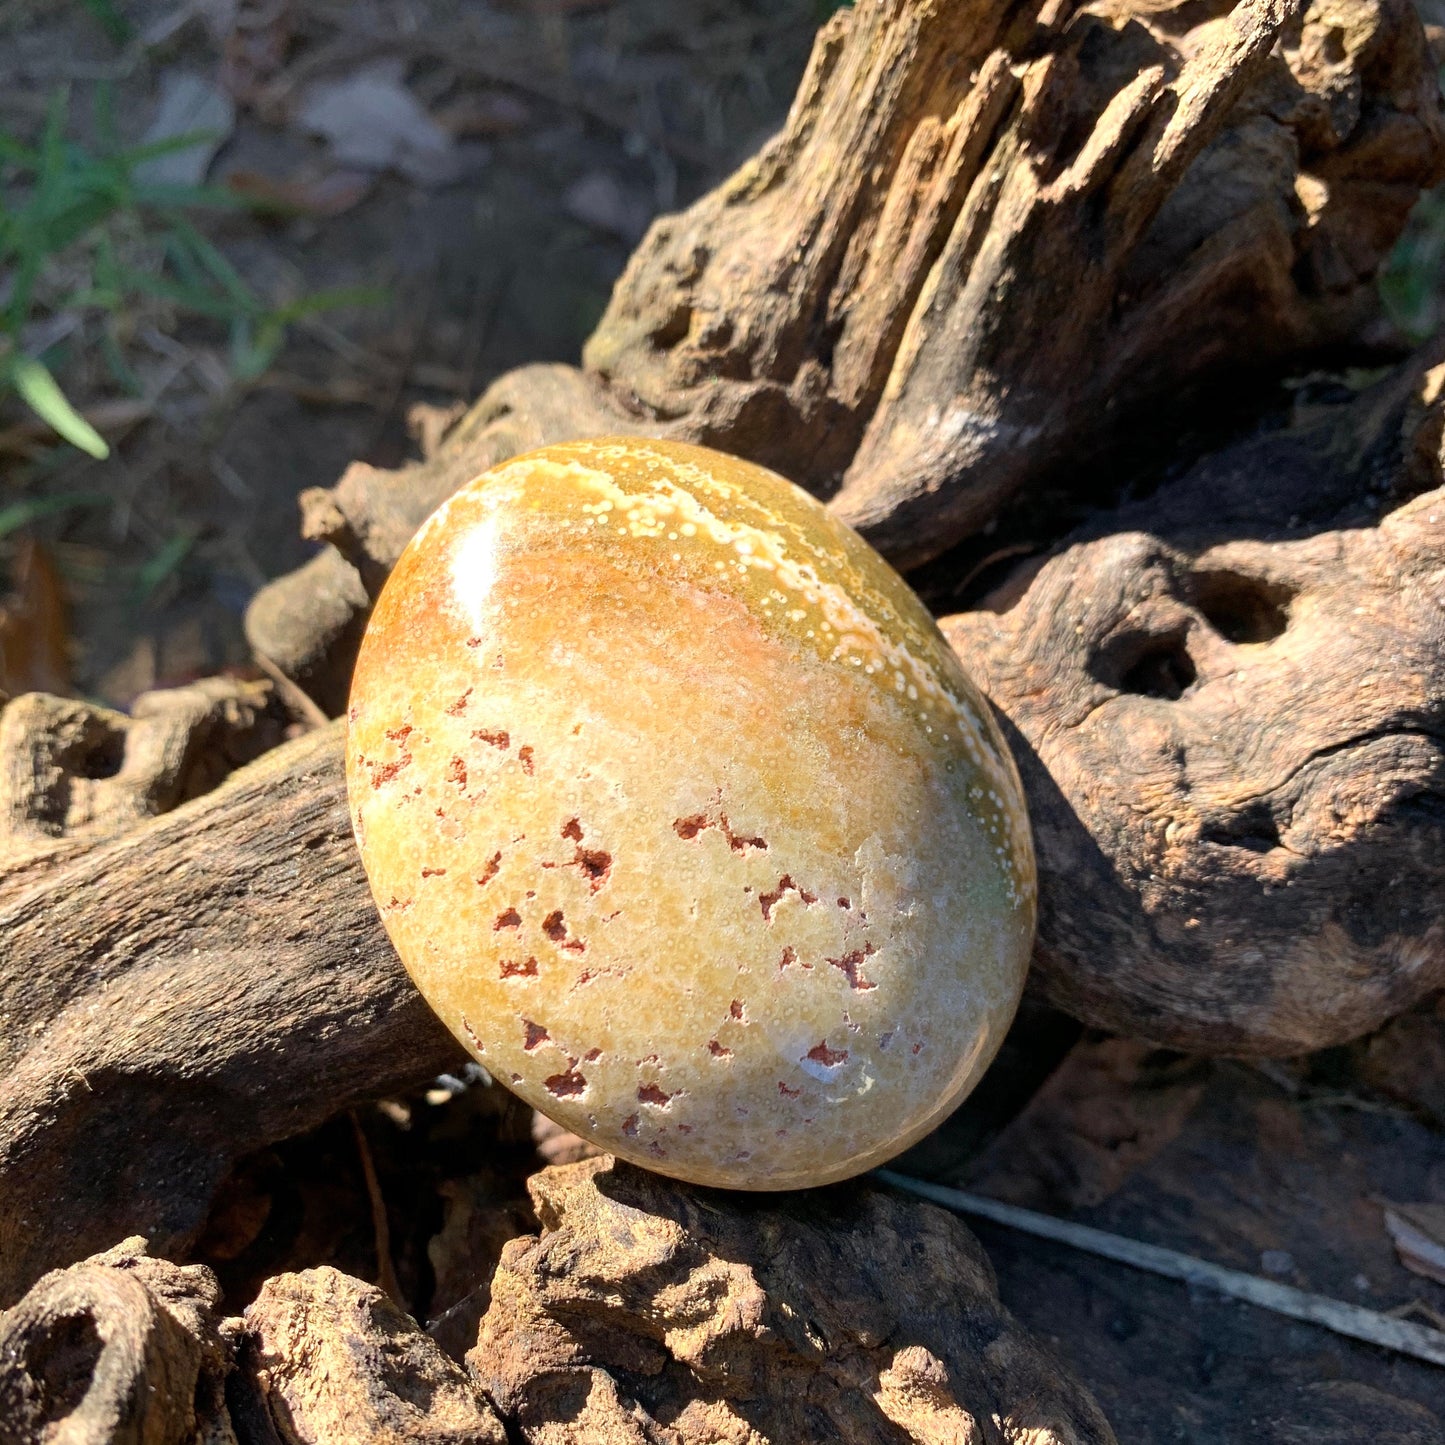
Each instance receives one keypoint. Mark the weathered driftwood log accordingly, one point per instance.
(650, 1312)
(72, 773)
(217, 979)
(325, 1359)
(119, 1350)
(200, 986)
(646, 1314)
(987, 237)
(1230, 716)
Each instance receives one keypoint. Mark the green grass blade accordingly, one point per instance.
(40, 392)
(329, 300)
(32, 509)
(215, 265)
(168, 198)
(191, 297)
(165, 561)
(117, 28)
(134, 155)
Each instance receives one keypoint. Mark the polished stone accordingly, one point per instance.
(684, 817)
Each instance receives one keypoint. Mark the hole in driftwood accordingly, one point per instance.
(1256, 829)
(1165, 670)
(1240, 608)
(1148, 666)
(62, 1363)
(104, 759)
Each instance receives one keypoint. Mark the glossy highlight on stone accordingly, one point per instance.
(684, 817)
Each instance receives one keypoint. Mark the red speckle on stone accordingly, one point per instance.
(735, 1008)
(490, 871)
(573, 830)
(398, 905)
(536, 1036)
(786, 1091)
(790, 955)
(460, 705)
(917, 1049)
(566, 1086)
(651, 1094)
(555, 926)
(738, 842)
(383, 773)
(591, 1056)
(494, 738)
(524, 756)
(471, 1033)
(401, 734)
(829, 1058)
(629, 1126)
(512, 968)
(510, 919)
(457, 771)
(769, 901)
(433, 872)
(850, 963)
(595, 864)
(688, 828)
(717, 1050)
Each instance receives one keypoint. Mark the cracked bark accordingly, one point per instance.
(990, 240)
(1230, 713)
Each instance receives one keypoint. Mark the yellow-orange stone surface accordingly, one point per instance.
(684, 817)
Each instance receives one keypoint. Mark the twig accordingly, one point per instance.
(295, 697)
(385, 1271)
(1344, 1319)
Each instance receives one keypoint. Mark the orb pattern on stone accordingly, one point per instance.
(684, 817)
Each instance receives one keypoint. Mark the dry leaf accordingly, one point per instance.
(373, 122)
(34, 633)
(600, 200)
(189, 105)
(1418, 1233)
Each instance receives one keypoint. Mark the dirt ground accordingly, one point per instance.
(559, 128)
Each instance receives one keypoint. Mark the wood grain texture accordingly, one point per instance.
(1229, 712)
(651, 1312)
(121, 1349)
(205, 984)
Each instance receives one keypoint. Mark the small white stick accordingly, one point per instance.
(1344, 1319)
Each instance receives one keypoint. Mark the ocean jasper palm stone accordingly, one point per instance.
(685, 819)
